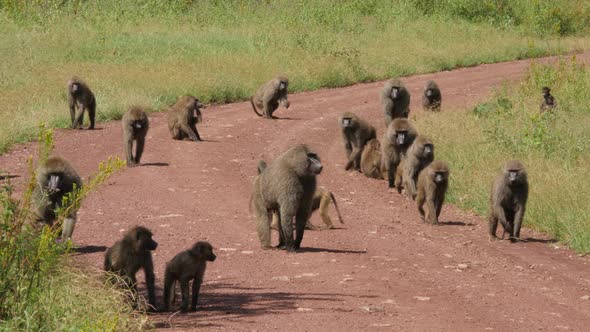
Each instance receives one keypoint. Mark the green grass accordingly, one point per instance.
(555, 148)
(221, 51)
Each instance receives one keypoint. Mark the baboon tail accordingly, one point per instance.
(254, 107)
(336, 207)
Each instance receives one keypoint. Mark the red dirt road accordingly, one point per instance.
(383, 269)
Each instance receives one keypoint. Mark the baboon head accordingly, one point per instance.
(394, 92)
(53, 182)
(440, 171)
(515, 173)
(425, 147)
(75, 87)
(400, 131)
(373, 145)
(303, 161)
(349, 120)
(203, 250)
(261, 166)
(142, 239)
(282, 91)
(546, 90)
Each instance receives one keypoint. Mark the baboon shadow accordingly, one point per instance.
(89, 249)
(155, 164)
(9, 176)
(454, 223)
(286, 118)
(334, 251)
(533, 240)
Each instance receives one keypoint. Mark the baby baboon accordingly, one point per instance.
(508, 200)
(135, 126)
(548, 100)
(431, 98)
(269, 96)
(130, 254)
(184, 267)
(81, 98)
(419, 155)
(56, 178)
(182, 119)
(287, 186)
(395, 99)
(371, 160)
(399, 136)
(433, 182)
(356, 133)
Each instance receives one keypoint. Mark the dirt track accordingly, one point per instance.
(383, 269)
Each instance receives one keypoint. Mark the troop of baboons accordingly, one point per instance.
(284, 191)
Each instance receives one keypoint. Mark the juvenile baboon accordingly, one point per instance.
(269, 96)
(508, 200)
(183, 117)
(184, 267)
(371, 160)
(395, 99)
(399, 136)
(135, 127)
(130, 254)
(433, 182)
(431, 97)
(548, 100)
(81, 98)
(356, 133)
(419, 155)
(56, 178)
(287, 186)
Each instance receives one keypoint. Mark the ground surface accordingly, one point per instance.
(383, 269)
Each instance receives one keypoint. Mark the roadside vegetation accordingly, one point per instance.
(149, 52)
(554, 146)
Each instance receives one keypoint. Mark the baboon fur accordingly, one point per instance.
(548, 102)
(56, 178)
(395, 100)
(186, 266)
(356, 132)
(287, 186)
(433, 182)
(399, 136)
(81, 99)
(135, 127)
(419, 155)
(508, 200)
(183, 117)
(371, 160)
(130, 254)
(431, 97)
(270, 96)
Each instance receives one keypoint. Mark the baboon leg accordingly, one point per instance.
(348, 147)
(150, 280)
(286, 223)
(391, 175)
(196, 289)
(354, 159)
(409, 184)
(91, 114)
(188, 131)
(263, 227)
(324, 205)
(129, 151)
(177, 133)
(139, 144)
(275, 221)
(73, 112)
(68, 227)
(300, 220)
(398, 181)
(194, 128)
(439, 208)
(517, 223)
(184, 289)
(493, 223)
(311, 226)
(431, 211)
(80, 116)
(168, 292)
(281, 244)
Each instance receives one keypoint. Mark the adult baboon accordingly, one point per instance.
(431, 97)
(184, 267)
(80, 97)
(183, 117)
(56, 178)
(130, 254)
(135, 127)
(356, 133)
(269, 96)
(395, 99)
(419, 155)
(433, 182)
(548, 100)
(371, 160)
(286, 186)
(508, 200)
(399, 136)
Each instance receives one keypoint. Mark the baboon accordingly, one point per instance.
(184, 267)
(356, 133)
(395, 99)
(371, 160)
(56, 178)
(548, 100)
(269, 96)
(287, 186)
(399, 136)
(433, 182)
(431, 97)
(130, 254)
(80, 97)
(182, 119)
(419, 155)
(508, 200)
(135, 126)
(321, 201)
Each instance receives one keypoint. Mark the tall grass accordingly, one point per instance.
(149, 52)
(554, 146)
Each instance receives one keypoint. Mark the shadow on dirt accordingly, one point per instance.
(156, 164)
(334, 251)
(6, 177)
(454, 223)
(89, 249)
(530, 239)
